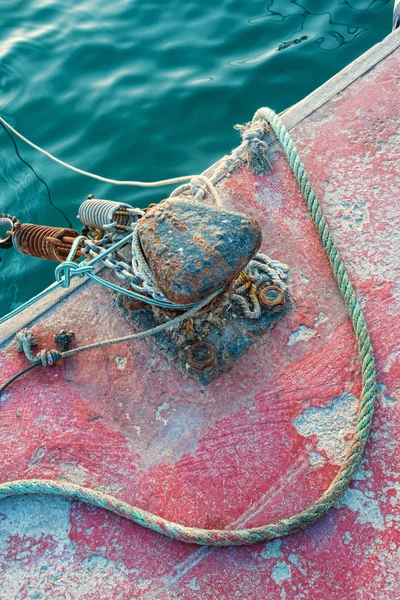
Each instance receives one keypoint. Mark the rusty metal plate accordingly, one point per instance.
(203, 350)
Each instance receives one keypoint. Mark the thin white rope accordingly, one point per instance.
(144, 184)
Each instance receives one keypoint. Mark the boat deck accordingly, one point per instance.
(259, 443)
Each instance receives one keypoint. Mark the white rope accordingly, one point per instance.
(144, 184)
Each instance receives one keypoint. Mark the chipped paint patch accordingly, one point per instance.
(163, 406)
(362, 474)
(41, 515)
(272, 550)
(39, 559)
(4, 396)
(281, 572)
(330, 425)
(121, 362)
(321, 317)
(352, 213)
(302, 334)
(347, 537)
(316, 459)
(368, 509)
(37, 456)
(193, 585)
(294, 559)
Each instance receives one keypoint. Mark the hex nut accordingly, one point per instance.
(272, 298)
(201, 356)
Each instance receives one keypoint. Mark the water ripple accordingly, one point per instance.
(149, 90)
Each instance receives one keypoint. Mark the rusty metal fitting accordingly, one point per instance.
(10, 222)
(272, 298)
(202, 356)
(63, 338)
(50, 243)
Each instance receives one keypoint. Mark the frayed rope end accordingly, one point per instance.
(257, 148)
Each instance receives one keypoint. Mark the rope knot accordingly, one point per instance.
(26, 340)
(253, 134)
(49, 358)
(65, 271)
(257, 148)
(197, 190)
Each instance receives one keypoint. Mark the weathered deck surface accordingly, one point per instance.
(259, 443)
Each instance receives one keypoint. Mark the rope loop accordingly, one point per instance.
(26, 340)
(197, 190)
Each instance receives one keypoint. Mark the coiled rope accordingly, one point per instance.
(223, 537)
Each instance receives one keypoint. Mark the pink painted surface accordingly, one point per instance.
(256, 445)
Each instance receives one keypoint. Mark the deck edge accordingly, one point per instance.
(304, 108)
(29, 315)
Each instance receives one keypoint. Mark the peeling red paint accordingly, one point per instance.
(228, 454)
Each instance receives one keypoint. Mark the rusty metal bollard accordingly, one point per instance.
(194, 249)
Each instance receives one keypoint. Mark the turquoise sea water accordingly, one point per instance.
(149, 89)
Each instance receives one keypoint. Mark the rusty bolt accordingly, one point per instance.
(272, 298)
(202, 356)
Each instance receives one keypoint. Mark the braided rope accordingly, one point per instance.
(218, 537)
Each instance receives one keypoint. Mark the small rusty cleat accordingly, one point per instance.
(194, 249)
(272, 298)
